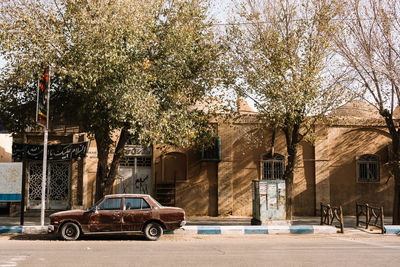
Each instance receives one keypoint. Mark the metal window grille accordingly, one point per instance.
(273, 167)
(368, 168)
(140, 161)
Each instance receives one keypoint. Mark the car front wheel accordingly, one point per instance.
(70, 231)
(153, 231)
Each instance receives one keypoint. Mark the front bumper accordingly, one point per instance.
(50, 228)
(183, 223)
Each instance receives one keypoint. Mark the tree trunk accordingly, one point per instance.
(396, 174)
(106, 173)
(395, 164)
(292, 137)
(396, 199)
(103, 150)
(123, 138)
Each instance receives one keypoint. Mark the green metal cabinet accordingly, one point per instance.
(269, 200)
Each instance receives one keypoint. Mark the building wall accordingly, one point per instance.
(5, 147)
(77, 183)
(304, 181)
(325, 171)
(346, 144)
(225, 188)
(89, 175)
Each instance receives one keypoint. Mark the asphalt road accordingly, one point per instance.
(174, 250)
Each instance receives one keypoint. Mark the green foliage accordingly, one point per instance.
(141, 63)
(123, 68)
(283, 56)
(281, 53)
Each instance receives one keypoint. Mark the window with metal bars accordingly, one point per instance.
(140, 161)
(273, 167)
(368, 168)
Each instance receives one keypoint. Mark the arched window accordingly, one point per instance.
(273, 167)
(368, 168)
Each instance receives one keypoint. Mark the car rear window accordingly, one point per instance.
(136, 203)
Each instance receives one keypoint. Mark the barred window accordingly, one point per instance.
(140, 161)
(368, 168)
(273, 167)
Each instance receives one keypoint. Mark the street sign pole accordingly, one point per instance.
(45, 141)
(44, 177)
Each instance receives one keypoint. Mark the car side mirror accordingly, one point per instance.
(94, 210)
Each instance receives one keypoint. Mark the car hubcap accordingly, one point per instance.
(70, 231)
(153, 231)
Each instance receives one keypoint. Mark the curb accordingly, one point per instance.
(254, 230)
(392, 229)
(23, 229)
(209, 230)
(221, 230)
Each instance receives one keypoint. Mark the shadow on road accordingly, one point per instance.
(110, 237)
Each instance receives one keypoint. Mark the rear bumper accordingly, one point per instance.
(174, 225)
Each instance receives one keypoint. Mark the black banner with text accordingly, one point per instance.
(54, 152)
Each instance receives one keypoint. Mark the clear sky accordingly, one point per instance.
(2, 63)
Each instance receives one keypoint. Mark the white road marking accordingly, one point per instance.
(12, 261)
(365, 242)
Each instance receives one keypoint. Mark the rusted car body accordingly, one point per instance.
(119, 213)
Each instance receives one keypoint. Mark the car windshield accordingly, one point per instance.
(97, 203)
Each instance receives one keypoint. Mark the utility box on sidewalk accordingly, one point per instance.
(269, 201)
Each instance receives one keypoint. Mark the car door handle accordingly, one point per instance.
(117, 213)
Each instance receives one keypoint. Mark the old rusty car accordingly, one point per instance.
(120, 213)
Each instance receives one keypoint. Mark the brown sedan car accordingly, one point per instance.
(123, 213)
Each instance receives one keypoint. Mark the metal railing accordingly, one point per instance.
(329, 214)
(370, 213)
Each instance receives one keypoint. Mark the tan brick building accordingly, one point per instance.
(347, 163)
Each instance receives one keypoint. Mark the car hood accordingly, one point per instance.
(68, 212)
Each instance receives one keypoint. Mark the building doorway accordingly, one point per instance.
(135, 175)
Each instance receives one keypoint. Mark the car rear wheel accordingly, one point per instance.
(153, 231)
(70, 231)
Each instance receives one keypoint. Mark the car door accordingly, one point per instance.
(108, 216)
(136, 212)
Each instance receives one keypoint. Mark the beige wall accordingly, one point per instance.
(89, 175)
(325, 171)
(225, 188)
(346, 144)
(5, 147)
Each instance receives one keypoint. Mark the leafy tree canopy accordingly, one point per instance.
(118, 64)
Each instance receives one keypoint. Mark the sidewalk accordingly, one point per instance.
(222, 225)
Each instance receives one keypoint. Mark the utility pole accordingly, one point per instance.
(42, 118)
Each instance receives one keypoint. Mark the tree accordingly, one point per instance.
(282, 55)
(123, 69)
(369, 46)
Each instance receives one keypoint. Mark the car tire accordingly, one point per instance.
(153, 231)
(70, 231)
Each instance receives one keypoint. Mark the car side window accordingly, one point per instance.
(111, 204)
(136, 203)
